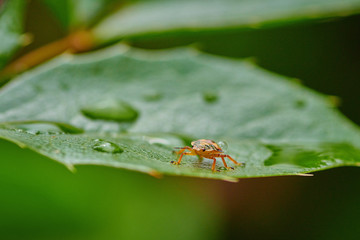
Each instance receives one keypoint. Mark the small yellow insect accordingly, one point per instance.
(207, 149)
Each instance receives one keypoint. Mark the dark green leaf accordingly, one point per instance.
(160, 16)
(77, 13)
(156, 101)
(11, 28)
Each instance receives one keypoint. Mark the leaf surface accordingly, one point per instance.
(128, 108)
(155, 17)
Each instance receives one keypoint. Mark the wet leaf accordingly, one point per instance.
(256, 112)
(158, 17)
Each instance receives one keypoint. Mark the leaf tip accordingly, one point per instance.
(305, 174)
(70, 167)
(155, 174)
(230, 179)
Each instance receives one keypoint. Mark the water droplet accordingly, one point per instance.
(210, 97)
(67, 128)
(96, 70)
(64, 86)
(160, 142)
(111, 110)
(300, 103)
(38, 89)
(224, 146)
(33, 132)
(335, 101)
(315, 155)
(106, 146)
(155, 140)
(50, 127)
(326, 162)
(297, 155)
(53, 133)
(152, 96)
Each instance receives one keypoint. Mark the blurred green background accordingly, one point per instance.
(41, 199)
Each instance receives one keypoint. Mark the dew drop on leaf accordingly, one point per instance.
(223, 145)
(300, 104)
(152, 96)
(64, 87)
(34, 132)
(111, 110)
(210, 97)
(106, 146)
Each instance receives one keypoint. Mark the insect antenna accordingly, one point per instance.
(178, 148)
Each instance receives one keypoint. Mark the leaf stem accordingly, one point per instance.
(79, 41)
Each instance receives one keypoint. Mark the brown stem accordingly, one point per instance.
(77, 42)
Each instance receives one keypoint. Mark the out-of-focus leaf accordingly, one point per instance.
(43, 201)
(11, 28)
(77, 13)
(135, 106)
(188, 16)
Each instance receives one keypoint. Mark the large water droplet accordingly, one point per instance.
(20, 130)
(46, 126)
(111, 110)
(210, 97)
(163, 141)
(152, 96)
(38, 89)
(224, 146)
(64, 86)
(307, 155)
(106, 146)
(300, 103)
(34, 132)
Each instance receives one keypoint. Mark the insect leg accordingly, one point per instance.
(213, 165)
(223, 160)
(183, 149)
(233, 160)
(182, 153)
(190, 153)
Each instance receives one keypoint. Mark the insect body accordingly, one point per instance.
(207, 149)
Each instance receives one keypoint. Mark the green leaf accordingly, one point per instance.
(135, 106)
(188, 16)
(11, 28)
(77, 13)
